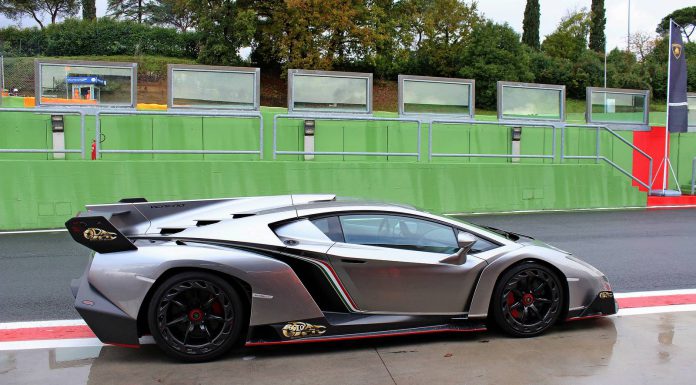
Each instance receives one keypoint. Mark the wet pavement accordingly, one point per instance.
(637, 349)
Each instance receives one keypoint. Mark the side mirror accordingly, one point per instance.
(465, 241)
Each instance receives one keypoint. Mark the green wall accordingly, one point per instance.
(45, 193)
(38, 191)
(682, 153)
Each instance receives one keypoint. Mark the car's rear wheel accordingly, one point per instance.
(196, 316)
(527, 300)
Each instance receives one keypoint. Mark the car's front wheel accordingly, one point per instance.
(527, 300)
(195, 316)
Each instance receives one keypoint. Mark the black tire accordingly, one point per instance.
(527, 300)
(196, 316)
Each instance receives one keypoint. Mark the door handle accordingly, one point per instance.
(352, 260)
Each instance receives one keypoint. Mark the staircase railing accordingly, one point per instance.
(598, 156)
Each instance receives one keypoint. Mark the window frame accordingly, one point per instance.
(402, 79)
(328, 74)
(607, 91)
(501, 85)
(171, 68)
(133, 67)
(454, 228)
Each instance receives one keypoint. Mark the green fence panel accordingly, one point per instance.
(451, 139)
(536, 141)
(180, 133)
(365, 136)
(489, 139)
(126, 133)
(403, 137)
(21, 130)
(230, 134)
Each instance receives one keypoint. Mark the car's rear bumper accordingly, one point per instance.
(109, 323)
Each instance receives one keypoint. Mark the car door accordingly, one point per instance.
(392, 264)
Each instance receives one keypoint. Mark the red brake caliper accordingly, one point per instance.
(216, 308)
(511, 300)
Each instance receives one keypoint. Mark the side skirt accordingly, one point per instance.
(343, 326)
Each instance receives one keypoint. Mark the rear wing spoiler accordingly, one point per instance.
(98, 233)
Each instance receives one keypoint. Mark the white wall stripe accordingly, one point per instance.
(32, 231)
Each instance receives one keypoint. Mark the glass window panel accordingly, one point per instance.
(692, 110)
(531, 103)
(436, 97)
(213, 89)
(85, 84)
(312, 92)
(398, 232)
(618, 107)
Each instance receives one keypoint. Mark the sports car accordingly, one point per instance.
(205, 276)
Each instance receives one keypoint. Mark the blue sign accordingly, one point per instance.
(85, 80)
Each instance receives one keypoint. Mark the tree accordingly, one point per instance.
(685, 17)
(530, 24)
(224, 28)
(317, 34)
(642, 44)
(15, 9)
(127, 9)
(598, 22)
(494, 53)
(175, 13)
(89, 10)
(569, 40)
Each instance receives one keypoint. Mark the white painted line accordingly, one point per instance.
(41, 324)
(655, 310)
(32, 231)
(553, 210)
(62, 343)
(50, 344)
(656, 293)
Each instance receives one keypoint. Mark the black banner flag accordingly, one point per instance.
(678, 107)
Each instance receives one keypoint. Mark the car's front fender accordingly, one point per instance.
(583, 283)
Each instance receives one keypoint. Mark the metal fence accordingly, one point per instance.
(61, 111)
(98, 113)
(232, 114)
(432, 154)
(17, 75)
(277, 152)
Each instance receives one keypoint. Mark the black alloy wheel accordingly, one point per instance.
(195, 316)
(527, 300)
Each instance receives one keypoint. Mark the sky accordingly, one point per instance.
(645, 15)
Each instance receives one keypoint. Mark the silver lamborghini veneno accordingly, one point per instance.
(204, 276)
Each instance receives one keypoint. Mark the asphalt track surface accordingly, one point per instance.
(639, 250)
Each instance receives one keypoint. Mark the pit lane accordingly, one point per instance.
(637, 349)
(642, 250)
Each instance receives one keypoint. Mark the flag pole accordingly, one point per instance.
(669, 68)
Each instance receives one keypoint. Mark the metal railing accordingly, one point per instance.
(276, 152)
(55, 111)
(432, 154)
(202, 114)
(598, 156)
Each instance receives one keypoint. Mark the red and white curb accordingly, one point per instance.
(75, 333)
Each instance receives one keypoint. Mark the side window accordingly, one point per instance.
(330, 227)
(482, 245)
(398, 232)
